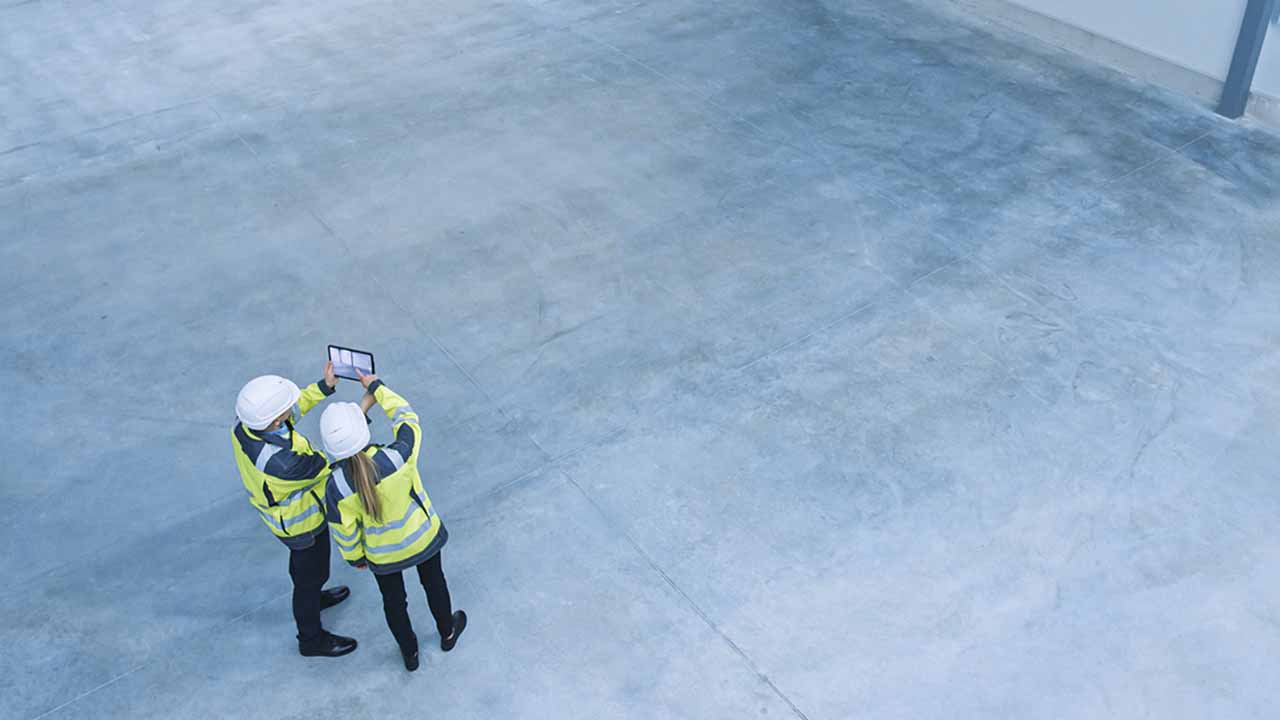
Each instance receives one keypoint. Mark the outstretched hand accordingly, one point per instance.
(366, 380)
(330, 379)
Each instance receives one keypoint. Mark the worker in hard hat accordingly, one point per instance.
(286, 478)
(381, 516)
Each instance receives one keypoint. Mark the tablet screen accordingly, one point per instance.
(346, 361)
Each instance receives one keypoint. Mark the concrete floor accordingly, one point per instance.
(777, 358)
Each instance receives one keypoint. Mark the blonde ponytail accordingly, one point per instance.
(364, 478)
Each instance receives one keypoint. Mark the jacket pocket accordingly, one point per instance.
(414, 494)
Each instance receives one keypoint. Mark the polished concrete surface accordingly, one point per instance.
(789, 359)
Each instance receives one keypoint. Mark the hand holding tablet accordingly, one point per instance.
(350, 364)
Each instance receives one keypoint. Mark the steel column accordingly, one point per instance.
(1235, 93)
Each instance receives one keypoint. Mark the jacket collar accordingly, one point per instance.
(344, 462)
(271, 439)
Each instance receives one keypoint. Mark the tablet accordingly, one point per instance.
(346, 361)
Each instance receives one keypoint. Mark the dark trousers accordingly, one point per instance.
(395, 603)
(309, 569)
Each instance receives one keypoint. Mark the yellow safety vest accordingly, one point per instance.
(409, 530)
(285, 479)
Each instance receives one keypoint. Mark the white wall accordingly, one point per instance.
(1197, 34)
(1268, 78)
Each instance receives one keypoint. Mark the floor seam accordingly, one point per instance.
(91, 691)
(150, 659)
(697, 609)
(813, 333)
(534, 472)
(1168, 154)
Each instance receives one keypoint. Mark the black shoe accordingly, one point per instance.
(410, 655)
(410, 660)
(333, 596)
(459, 624)
(327, 645)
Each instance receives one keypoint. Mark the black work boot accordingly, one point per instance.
(410, 659)
(333, 596)
(327, 645)
(410, 654)
(459, 624)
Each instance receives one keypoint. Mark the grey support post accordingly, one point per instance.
(1235, 93)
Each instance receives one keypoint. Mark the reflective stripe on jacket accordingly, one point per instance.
(285, 478)
(409, 530)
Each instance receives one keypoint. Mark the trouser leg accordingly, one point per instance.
(396, 607)
(431, 573)
(309, 569)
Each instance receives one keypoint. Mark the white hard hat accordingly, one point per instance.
(265, 398)
(344, 430)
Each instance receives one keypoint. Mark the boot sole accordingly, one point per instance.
(338, 653)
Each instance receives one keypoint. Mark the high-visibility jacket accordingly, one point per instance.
(409, 530)
(285, 478)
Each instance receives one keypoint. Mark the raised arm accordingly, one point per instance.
(404, 421)
(316, 392)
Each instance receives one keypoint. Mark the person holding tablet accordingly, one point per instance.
(285, 479)
(381, 516)
(350, 363)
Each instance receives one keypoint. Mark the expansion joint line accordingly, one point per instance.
(706, 619)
